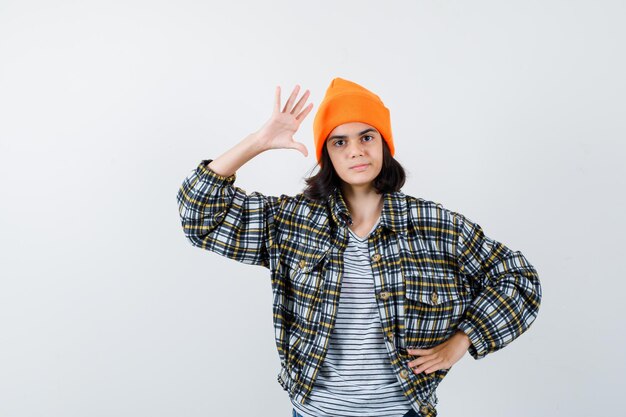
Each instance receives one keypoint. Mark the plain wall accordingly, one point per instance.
(511, 113)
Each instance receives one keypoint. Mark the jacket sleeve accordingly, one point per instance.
(222, 218)
(506, 287)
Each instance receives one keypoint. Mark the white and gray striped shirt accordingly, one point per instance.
(356, 377)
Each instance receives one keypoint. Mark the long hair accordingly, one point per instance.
(321, 185)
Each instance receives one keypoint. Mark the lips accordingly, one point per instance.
(359, 166)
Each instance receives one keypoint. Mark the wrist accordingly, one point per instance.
(255, 142)
(464, 337)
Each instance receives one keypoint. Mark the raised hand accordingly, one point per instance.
(278, 131)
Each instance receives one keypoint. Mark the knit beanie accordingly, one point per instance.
(345, 102)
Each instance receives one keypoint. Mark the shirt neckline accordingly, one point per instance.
(367, 235)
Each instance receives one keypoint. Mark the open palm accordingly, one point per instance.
(278, 131)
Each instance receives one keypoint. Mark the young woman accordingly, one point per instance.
(376, 294)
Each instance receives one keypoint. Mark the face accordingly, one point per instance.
(356, 151)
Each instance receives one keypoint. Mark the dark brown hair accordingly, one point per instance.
(321, 185)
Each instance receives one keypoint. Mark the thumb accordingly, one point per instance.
(300, 147)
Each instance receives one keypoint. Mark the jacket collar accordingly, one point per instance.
(393, 217)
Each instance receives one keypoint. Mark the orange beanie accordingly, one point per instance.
(347, 102)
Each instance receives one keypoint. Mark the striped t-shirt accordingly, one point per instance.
(356, 378)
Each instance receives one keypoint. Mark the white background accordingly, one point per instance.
(510, 112)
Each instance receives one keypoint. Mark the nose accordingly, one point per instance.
(355, 149)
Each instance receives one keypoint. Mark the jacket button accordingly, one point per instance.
(218, 215)
(302, 263)
(376, 257)
(425, 410)
(390, 336)
(434, 296)
(404, 373)
(383, 295)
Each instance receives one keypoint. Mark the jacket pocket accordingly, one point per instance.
(306, 266)
(434, 305)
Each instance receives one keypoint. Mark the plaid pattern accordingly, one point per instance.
(435, 271)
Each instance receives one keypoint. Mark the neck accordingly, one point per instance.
(365, 204)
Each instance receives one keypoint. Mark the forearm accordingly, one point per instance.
(506, 288)
(504, 309)
(230, 161)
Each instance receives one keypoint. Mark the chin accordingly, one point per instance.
(360, 183)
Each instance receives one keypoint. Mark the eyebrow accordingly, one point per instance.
(345, 136)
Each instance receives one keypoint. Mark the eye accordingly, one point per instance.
(368, 136)
(337, 141)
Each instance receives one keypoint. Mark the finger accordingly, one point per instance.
(430, 365)
(415, 351)
(292, 97)
(417, 362)
(305, 112)
(300, 102)
(436, 367)
(419, 352)
(277, 99)
(422, 359)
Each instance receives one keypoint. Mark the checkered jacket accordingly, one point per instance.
(434, 271)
